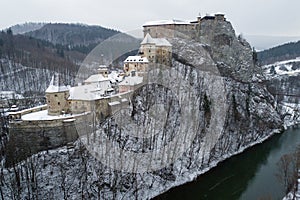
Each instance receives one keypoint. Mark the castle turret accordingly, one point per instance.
(56, 95)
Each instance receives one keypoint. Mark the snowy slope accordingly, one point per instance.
(287, 67)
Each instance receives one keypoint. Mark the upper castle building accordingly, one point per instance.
(178, 28)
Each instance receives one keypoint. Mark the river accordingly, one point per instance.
(249, 175)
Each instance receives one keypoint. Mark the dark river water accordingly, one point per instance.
(249, 175)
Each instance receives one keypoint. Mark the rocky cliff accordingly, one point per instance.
(210, 105)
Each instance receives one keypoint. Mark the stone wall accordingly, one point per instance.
(170, 30)
(26, 141)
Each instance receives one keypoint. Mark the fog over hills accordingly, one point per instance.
(262, 42)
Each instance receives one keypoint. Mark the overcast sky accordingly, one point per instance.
(251, 17)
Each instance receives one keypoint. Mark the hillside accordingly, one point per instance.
(72, 34)
(83, 38)
(26, 27)
(24, 58)
(280, 53)
(45, 55)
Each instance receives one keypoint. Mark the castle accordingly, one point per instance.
(104, 93)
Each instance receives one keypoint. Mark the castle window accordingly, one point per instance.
(58, 103)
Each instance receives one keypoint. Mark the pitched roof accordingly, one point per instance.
(148, 39)
(86, 92)
(157, 41)
(138, 59)
(96, 78)
(56, 85)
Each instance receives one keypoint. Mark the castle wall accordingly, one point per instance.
(80, 106)
(170, 30)
(27, 140)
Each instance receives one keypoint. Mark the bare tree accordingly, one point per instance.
(287, 171)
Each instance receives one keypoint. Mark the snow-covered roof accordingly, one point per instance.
(87, 92)
(148, 39)
(157, 41)
(162, 42)
(56, 85)
(132, 80)
(138, 59)
(96, 78)
(166, 22)
(115, 76)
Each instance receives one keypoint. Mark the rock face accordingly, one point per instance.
(232, 54)
(212, 95)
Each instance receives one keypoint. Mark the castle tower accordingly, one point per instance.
(103, 70)
(148, 48)
(156, 50)
(56, 95)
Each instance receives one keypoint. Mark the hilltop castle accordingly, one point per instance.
(178, 28)
(104, 92)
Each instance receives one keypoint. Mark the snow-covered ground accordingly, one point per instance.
(287, 67)
(43, 115)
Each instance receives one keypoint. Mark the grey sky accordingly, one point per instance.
(251, 17)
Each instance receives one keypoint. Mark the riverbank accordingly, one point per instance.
(194, 176)
(250, 175)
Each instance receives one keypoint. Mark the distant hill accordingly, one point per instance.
(27, 61)
(263, 42)
(72, 34)
(26, 27)
(78, 37)
(283, 52)
(25, 58)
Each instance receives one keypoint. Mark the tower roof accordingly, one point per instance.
(148, 39)
(157, 41)
(56, 84)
